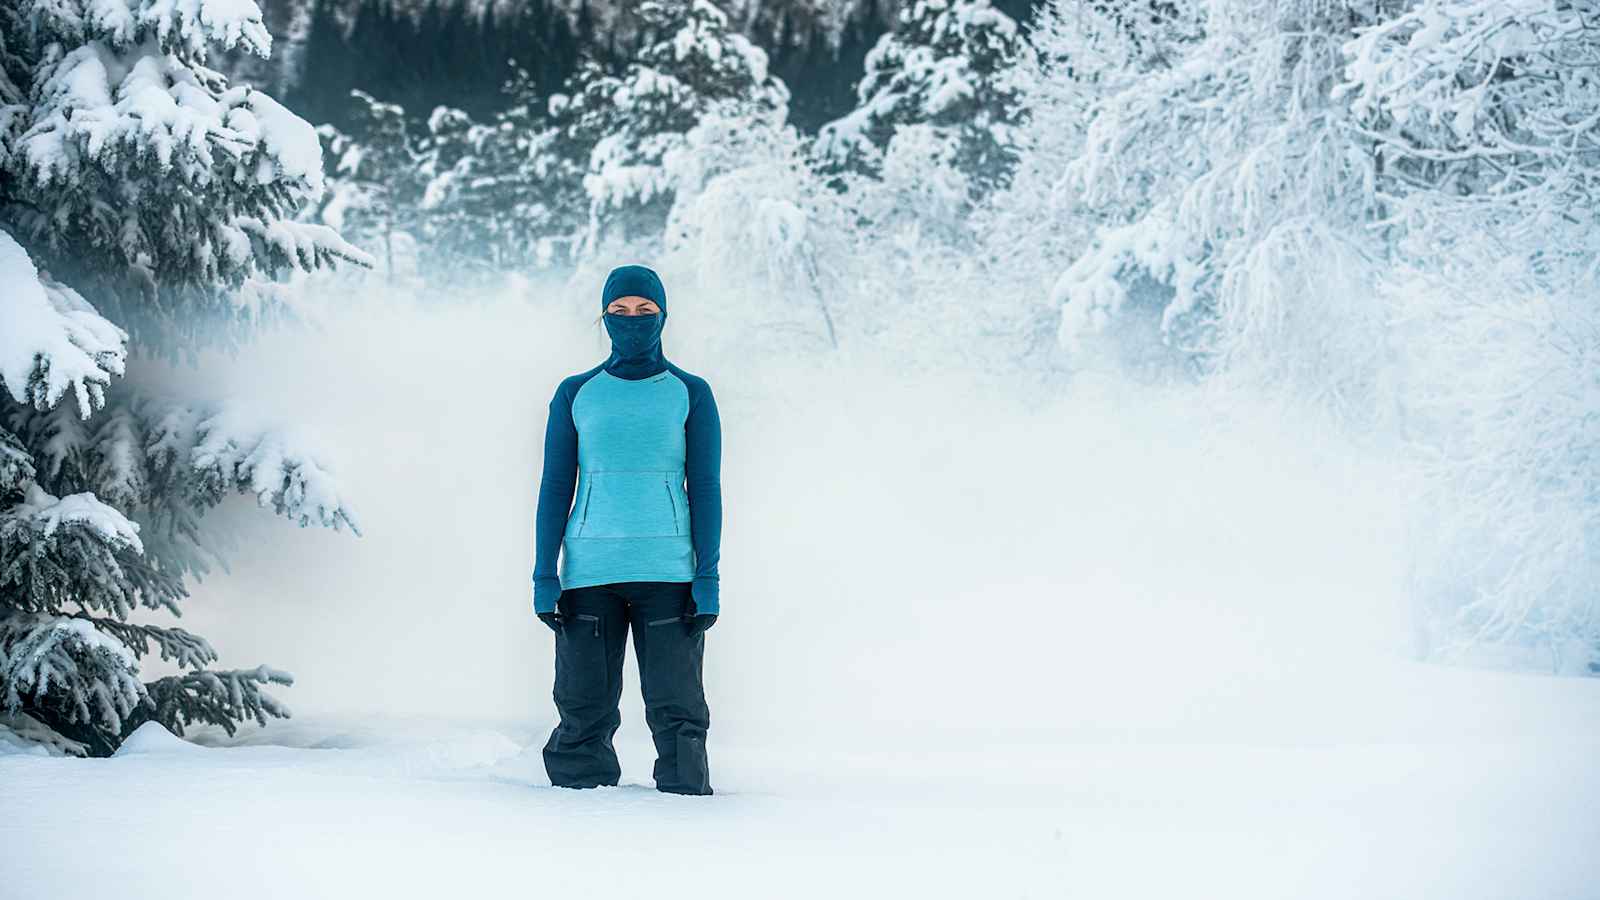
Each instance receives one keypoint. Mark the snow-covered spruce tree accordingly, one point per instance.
(618, 128)
(487, 207)
(438, 199)
(750, 217)
(375, 186)
(141, 178)
(931, 140)
(109, 97)
(947, 65)
(518, 180)
(1240, 194)
(1486, 118)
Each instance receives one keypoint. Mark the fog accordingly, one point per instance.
(908, 549)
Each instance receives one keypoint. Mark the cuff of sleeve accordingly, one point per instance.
(704, 590)
(545, 593)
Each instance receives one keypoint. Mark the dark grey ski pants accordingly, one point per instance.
(588, 685)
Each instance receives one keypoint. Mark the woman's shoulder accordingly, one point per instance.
(695, 383)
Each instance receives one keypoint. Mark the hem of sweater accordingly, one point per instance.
(593, 580)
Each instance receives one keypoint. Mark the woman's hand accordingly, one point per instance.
(698, 624)
(554, 619)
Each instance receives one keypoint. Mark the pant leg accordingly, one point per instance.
(670, 666)
(588, 686)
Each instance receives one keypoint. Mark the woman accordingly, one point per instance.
(639, 548)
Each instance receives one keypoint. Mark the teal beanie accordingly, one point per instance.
(633, 281)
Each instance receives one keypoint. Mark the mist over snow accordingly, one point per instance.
(909, 546)
(980, 639)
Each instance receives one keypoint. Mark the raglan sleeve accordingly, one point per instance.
(703, 474)
(556, 483)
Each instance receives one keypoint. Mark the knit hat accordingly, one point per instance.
(634, 281)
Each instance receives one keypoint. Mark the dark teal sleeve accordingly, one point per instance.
(556, 484)
(703, 474)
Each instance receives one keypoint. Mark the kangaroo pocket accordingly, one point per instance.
(631, 504)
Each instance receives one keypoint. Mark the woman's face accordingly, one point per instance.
(633, 306)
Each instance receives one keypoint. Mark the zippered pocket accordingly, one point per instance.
(665, 621)
(585, 617)
(626, 503)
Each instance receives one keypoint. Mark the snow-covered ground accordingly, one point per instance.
(979, 641)
(421, 809)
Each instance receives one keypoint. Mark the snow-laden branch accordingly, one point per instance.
(47, 514)
(58, 550)
(183, 648)
(51, 340)
(231, 451)
(191, 26)
(235, 163)
(65, 663)
(306, 246)
(98, 107)
(1489, 107)
(218, 698)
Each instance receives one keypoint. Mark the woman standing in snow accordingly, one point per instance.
(637, 440)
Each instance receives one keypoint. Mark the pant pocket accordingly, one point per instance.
(580, 660)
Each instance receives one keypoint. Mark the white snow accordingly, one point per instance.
(153, 738)
(194, 24)
(411, 810)
(53, 333)
(50, 512)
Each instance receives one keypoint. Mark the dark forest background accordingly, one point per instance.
(461, 53)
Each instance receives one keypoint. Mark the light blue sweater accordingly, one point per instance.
(647, 451)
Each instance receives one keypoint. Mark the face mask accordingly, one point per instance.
(633, 335)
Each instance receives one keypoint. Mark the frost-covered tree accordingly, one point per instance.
(1390, 210)
(947, 65)
(139, 177)
(1483, 113)
(1038, 224)
(814, 267)
(1241, 202)
(523, 171)
(375, 183)
(490, 204)
(1485, 117)
(749, 214)
(613, 131)
(441, 199)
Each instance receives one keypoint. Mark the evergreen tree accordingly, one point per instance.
(139, 176)
(376, 185)
(948, 65)
(475, 213)
(615, 129)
